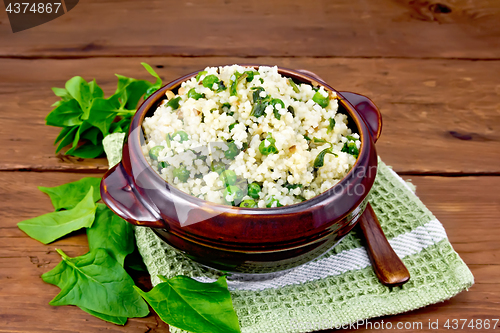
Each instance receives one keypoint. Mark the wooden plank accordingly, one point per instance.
(432, 121)
(24, 296)
(385, 28)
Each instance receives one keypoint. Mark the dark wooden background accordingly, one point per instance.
(433, 68)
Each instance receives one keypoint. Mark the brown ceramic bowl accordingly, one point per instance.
(244, 240)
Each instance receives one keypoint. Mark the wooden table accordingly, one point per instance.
(432, 68)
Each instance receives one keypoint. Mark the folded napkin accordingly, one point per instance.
(340, 287)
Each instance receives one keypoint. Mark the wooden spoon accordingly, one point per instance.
(389, 269)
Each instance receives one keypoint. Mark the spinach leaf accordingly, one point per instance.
(112, 319)
(97, 282)
(49, 227)
(79, 89)
(319, 161)
(155, 85)
(112, 233)
(84, 110)
(194, 306)
(65, 114)
(68, 195)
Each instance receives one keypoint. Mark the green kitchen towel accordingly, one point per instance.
(340, 287)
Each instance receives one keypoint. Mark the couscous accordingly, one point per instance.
(250, 138)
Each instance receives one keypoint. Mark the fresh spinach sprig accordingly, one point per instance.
(86, 117)
(98, 283)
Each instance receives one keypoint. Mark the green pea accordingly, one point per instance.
(184, 136)
(228, 177)
(271, 201)
(269, 147)
(236, 192)
(254, 190)
(181, 173)
(155, 151)
(249, 203)
(321, 100)
(195, 95)
(232, 151)
(174, 103)
(218, 166)
(209, 80)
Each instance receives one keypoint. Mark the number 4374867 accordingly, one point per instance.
(477, 324)
(36, 8)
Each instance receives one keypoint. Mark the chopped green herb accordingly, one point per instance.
(232, 126)
(174, 103)
(316, 140)
(250, 75)
(292, 186)
(162, 165)
(168, 139)
(321, 100)
(331, 125)
(274, 102)
(301, 198)
(306, 137)
(350, 148)
(267, 146)
(294, 86)
(232, 151)
(320, 159)
(199, 75)
(195, 95)
(351, 138)
(234, 84)
(291, 110)
(271, 201)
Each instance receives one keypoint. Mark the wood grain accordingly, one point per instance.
(346, 28)
(439, 116)
(24, 296)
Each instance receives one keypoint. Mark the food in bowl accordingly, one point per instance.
(250, 137)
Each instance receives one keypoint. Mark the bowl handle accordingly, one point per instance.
(119, 195)
(368, 112)
(365, 107)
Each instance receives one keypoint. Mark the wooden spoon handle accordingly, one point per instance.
(389, 269)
